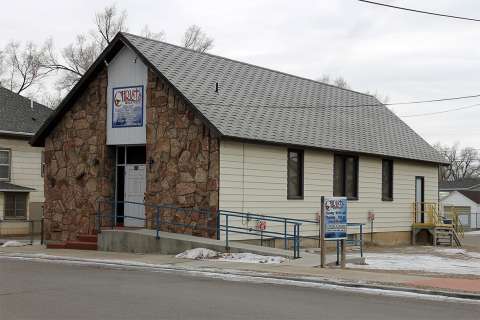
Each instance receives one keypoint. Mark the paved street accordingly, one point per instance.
(38, 290)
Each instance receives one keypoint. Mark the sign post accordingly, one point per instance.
(322, 233)
(333, 224)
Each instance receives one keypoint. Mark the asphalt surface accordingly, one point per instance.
(39, 290)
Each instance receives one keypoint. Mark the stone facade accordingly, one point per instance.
(183, 157)
(79, 165)
(182, 163)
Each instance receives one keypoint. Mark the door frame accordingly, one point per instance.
(422, 200)
(124, 165)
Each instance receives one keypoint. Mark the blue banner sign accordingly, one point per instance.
(127, 108)
(335, 210)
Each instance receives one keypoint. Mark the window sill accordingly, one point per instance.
(14, 219)
(294, 197)
(387, 199)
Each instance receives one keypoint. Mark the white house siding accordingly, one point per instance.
(253, 178)
(26, 168)
(456, 199)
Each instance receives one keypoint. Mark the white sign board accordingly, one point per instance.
(127, 108)
(335, 210)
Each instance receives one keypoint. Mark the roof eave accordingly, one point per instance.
(38, 140)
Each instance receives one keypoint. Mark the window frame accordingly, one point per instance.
(390, 177)
(15, 216)
(9, 165)
(301, 168)
(356, 168)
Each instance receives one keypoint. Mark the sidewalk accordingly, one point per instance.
(292, 270)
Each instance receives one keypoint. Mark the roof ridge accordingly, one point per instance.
(249, 64)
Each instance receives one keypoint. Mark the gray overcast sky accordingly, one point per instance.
(406, 56)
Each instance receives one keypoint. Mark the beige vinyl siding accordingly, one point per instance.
(253, 178)
(26, 167)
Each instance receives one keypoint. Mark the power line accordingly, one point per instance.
(420, 11)
(207, 103)
(433, 100)
(440, 112)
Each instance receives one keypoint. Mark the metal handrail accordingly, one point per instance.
(227, 227)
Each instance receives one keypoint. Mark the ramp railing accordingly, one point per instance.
(200, 222)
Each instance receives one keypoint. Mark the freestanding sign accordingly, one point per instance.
(335, 209)
(127, 107)
(333, 225)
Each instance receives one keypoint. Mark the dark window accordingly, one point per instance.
(345, 177)
(4, 164)
(387, 180)
(295, 174)
(15, 205)
(136, 155)
(42, 165)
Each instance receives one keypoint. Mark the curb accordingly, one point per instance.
(245, 273)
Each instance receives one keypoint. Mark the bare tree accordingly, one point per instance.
(21, 67)
(463, 163)
(342, 83)
(194, 38)
(147, 33)
(108, 23)
(75, 59)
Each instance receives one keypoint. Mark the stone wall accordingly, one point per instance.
(183, 161)
(79, 165)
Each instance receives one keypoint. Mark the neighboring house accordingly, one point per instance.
(21, 176)
(446, 187)
(465, 203)
(157, 122)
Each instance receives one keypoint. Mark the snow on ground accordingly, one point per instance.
(439, 260)
(13, 243)
(207, 254)
(198, 254)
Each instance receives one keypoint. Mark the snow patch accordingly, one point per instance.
(453, 261)
(251, 258)
(207, 254)
(13, 243)
(198, 254)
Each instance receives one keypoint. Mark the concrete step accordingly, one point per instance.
(88, 238)
(81, 245)
(56, 245)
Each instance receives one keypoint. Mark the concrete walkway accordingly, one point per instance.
(293, 269)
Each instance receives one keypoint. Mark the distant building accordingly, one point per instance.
(21, 175)
(463, 197)
(159, 123)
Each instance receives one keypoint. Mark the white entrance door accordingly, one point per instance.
(135, 181)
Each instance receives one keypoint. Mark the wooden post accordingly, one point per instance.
(344, 254)
(322, 234)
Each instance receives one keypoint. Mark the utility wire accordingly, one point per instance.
(420, 11)
(207, 103)
(439, 112)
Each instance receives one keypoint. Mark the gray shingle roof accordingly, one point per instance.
(16, 114)
(462, 184)
(265, 105)
(10, 187)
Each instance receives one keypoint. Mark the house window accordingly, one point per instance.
(4, 165)
(345, 177)
(295, 174)
(42, 165)
(387, 180)
(15, 205)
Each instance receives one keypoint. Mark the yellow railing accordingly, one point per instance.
(429, 211)
(457, 224)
